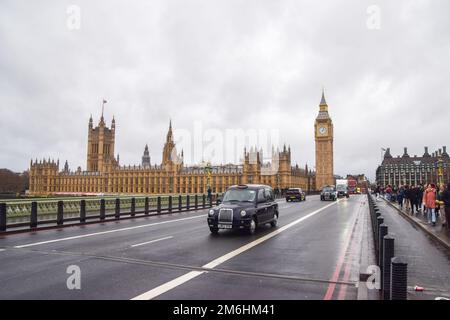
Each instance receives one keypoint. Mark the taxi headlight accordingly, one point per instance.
(243, 213)
(211, 212)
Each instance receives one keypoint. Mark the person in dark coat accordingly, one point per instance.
(407, 198)
(446, 199)
(401, 196)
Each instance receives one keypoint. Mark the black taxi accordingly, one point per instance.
(244, 207)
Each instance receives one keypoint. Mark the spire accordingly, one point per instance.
(91, 123)
(323, 102)
(169, 133)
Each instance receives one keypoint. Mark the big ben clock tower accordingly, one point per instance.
(323, 129)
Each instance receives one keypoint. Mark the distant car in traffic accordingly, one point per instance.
(295, 194)
(244, 207)
(328, 193)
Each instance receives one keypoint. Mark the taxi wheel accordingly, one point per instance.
(273, 224)
(214, 230)
(252, 227)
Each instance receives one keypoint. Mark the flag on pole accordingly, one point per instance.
(383, 149)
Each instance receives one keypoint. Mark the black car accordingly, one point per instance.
(295, 194)
(244, 207)
(328, 193)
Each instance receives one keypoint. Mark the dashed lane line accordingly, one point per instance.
(152, 241)
(106, 232)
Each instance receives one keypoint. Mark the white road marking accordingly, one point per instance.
(193, 274)
(106, 232)
(2, 250)
(148, 242)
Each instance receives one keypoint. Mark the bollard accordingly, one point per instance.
(146, 206)
(2, 217)
(380, 221)
(180, 203)
(381, 233)
(210, 201)
(60, 213)
(388, 254)
(196, 202)
(203, 201)
(117, 209)
(158, 205)
(34, 213)
(217, 199)
(82, 211)
(399, 279)
(133, 207)
(187, 202)
(102, 209)
(170, 204)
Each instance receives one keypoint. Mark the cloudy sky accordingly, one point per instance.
(223, 65)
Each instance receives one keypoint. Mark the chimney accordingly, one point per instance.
(405, 152)
(440, 152)
(444, 153)
(426, 154)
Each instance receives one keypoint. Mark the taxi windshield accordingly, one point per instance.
(242, 195)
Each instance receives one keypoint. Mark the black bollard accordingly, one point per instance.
(196, 202)
(133, 207)
(388, 254)
(34, 214)
(180, 203)
(380, 221)
(146, 206)
(60, 214)
(102, 209)
(187, 202)
(2, 217)
(381, 233)
(158, 205)
(82, 211)
(204, 201)
(117, 209)
(170, 204)
(399, 279)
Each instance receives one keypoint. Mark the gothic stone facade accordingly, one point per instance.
(105, 175)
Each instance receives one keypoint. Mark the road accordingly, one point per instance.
(175, 257)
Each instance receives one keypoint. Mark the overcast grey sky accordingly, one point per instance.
(232, 65)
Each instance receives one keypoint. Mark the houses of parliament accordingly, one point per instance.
(105, 175)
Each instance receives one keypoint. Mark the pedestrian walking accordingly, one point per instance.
(401, 196)
(407, 199)
(446, 199)
(429, 198)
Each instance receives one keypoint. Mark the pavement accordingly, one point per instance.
(428, 260)
(438, 232)
(316, 252)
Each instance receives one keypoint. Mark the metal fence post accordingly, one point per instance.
(196, 202)
(102, 209)
(388, 254)
(204, 201)
(210, 201)
(60, 214)
(34, 213)
(117, 209)
(217, 199)
(170, 204)
(82, 211)
(2, 217)
(180, 203)
(133, 207)
(187, 202)
(399, 279)
(158, 205)
(146, 205)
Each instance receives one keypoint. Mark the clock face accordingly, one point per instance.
(323, 130)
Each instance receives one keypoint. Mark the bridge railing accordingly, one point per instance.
(394, 270)
(46, 214)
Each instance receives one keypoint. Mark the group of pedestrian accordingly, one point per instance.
(432, 199)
